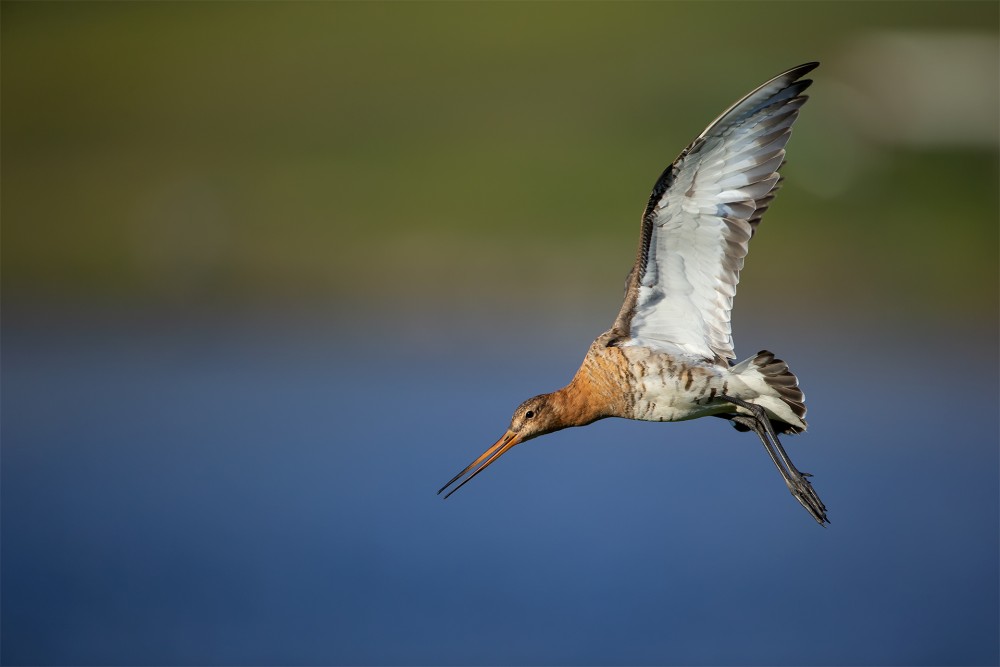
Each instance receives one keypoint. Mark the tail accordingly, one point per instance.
(778, 388)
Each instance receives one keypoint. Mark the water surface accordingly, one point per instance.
(263, 492)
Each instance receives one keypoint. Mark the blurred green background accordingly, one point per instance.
(397, 156)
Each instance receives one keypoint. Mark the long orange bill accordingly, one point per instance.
(508, 440)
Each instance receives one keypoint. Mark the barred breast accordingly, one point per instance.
(671, 388)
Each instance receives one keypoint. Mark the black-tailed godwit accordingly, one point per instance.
(669, 355)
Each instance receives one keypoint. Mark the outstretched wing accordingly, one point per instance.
(699, 220)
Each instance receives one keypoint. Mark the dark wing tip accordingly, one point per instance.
(801, 70)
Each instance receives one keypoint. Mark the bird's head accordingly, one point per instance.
(536, 416)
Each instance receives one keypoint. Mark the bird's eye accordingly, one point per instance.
(529, 414)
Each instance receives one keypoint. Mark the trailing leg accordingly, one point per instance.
(795, 480)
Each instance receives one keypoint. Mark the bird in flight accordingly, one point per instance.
(669, 355)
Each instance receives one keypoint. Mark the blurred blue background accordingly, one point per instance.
(273, 273)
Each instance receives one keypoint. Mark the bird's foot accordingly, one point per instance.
(807, 497)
